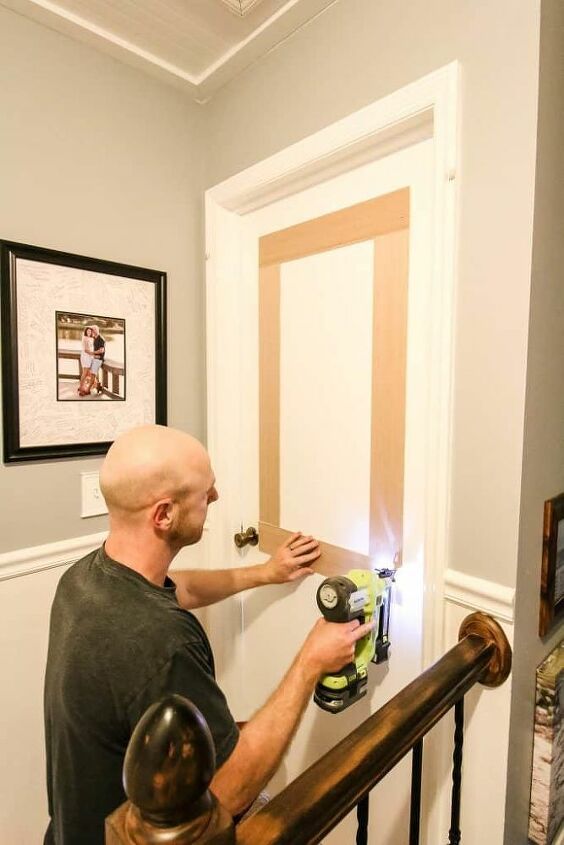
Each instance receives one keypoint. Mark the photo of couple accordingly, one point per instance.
(91, 359)
(90, 351)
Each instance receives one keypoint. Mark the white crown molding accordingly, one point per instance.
(51, 555)
(480, 594)
(277, 28)
(240, 7)
(284, 22)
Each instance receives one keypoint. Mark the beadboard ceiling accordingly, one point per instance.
(195, 44)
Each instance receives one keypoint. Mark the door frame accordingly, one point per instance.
(426, 108)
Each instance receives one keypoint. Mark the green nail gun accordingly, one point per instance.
(364, 595)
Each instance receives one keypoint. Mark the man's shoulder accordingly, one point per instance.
(79, 567)
(125, 598)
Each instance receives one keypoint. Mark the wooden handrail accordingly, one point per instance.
(318, 799)
(309, 807)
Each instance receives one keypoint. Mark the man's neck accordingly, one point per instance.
(148, 556)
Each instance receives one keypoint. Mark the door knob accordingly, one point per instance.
(249, 537)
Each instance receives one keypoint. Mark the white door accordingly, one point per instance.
(305, 410)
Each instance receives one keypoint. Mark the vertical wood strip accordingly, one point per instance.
(269, 394)
(391, 257)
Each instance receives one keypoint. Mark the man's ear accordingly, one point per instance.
(162, 514)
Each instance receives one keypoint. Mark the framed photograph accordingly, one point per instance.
(83, 351)
(546, 808)
(552, 578)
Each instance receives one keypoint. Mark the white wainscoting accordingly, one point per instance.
(28, 580)
(486, 735)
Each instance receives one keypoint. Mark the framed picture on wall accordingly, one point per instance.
(546, 808)
(552, 576)
(83, 351)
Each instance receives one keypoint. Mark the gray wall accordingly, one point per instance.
(355, 53)
(98, 159)
(543, 464)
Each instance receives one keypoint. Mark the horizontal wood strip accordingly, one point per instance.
(334, 560)
(361, 222)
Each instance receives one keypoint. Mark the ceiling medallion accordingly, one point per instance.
(241, 7)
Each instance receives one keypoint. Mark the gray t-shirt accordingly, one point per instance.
(117, 644)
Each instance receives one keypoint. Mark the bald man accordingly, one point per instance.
(122, 636)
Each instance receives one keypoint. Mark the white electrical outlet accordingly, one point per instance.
(93, 503)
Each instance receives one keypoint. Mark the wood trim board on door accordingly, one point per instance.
(385, 220)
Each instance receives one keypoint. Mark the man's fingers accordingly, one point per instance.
(303, 559)
(302, 548)
(291, 539)
(305, 548)
(362, 630)
(303, 540)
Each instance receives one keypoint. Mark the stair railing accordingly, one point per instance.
(169, 762)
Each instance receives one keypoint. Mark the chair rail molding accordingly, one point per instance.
(479, 594)
(35, 559)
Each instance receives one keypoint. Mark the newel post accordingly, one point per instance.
(168, 767)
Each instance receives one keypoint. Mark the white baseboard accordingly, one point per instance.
(479, 594)
(38, 558)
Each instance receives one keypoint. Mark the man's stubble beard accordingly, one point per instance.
(186, 535)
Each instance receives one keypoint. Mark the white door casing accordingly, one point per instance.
(383, 146)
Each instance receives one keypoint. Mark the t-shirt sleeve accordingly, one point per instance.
(186, 674)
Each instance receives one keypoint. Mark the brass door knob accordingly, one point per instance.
(249, 537)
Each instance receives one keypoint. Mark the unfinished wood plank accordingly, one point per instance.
(391, 256)
(269, 394)
(361, 222)
(334, 560)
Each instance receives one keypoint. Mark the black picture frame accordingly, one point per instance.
(52, 273)
(552, 573)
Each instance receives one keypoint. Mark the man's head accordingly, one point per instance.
(95, 330)
(158, 479)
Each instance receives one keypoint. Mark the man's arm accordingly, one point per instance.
(291, 561)
(265, 738)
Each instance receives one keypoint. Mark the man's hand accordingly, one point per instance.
(331, 645)
(202, 587)
(265, 737)
(292, 560)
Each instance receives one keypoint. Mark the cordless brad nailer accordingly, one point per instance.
(364, 595)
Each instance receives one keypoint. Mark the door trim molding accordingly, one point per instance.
(426, 108)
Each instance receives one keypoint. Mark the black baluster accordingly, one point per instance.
(362, 818)
(454, 834)
(415, 814)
